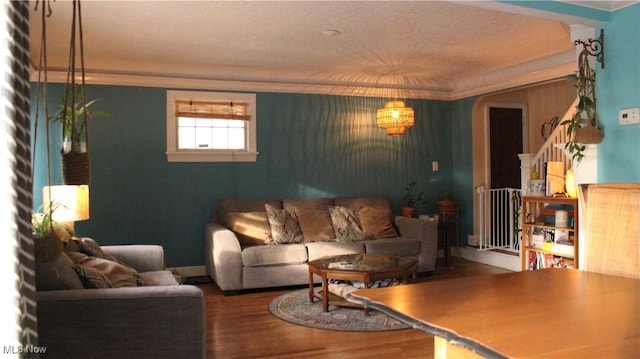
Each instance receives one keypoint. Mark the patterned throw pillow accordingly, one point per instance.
(345, 224)
(284, 225)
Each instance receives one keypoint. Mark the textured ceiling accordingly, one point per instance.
(428, 49)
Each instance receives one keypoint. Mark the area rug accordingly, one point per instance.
(294, 307)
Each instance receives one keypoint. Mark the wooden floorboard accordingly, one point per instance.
(241, 326)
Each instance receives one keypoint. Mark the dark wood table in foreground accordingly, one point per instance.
(553, 313)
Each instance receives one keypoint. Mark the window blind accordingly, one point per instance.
(211, 109)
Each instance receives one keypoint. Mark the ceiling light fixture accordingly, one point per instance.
(395, 117)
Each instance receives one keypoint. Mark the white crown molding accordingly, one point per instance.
(527, 11)
(536, 71)
(603, 5)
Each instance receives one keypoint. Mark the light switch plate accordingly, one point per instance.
(629, 116)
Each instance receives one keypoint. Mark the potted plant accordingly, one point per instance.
(410, 201)
(583, 128)
(46, 238)
(446, 204)
(73, 114)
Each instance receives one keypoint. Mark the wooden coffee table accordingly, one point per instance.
(356, 267)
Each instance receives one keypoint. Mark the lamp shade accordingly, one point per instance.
(570, 184)
(395, 116)
(70, 203)
(395, 131)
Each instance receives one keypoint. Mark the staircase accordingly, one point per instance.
(499, 209)
(553, 148)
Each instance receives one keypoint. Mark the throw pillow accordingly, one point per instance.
(284, 225)
(58, 274)
(345, 224)
(92, 278)
(91, 248)
(315, 225)
(118, 275)
(251, 228)
(376, 223)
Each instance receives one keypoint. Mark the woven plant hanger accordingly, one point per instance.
(76, 169)
(49, 247)
(591, 133)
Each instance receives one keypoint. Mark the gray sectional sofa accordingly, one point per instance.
(242, 253)
(157, 319)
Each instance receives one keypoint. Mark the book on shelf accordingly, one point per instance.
(563, 247)
(539, 260)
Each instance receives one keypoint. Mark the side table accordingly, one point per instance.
(449, 222)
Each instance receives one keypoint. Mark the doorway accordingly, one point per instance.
(506, 141)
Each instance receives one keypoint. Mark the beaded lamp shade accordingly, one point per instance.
(395, 117)
(395, 131)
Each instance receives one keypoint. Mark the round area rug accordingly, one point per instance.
(294, 307)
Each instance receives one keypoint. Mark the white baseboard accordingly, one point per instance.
(193, 271)
(496, 259)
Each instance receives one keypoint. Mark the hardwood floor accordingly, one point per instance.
(241, 327)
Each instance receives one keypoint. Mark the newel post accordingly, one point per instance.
(525, 170)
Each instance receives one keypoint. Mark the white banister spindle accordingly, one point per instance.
(498, 215)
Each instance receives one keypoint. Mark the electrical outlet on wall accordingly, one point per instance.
(629, 116)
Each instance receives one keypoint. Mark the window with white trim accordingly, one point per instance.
(211, 127)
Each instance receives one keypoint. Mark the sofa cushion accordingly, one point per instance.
(400, 247)
(252, 228)
(345, 224)
(323, 249)
(376, 223)
(315, 225)
(307, 203)
(234, 205)
(274, 255)
(284, 225)
(58, 274)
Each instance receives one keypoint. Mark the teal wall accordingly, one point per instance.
(618, 87)
(310, 146)
(462, 163)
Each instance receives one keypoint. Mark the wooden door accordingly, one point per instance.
(506, 142)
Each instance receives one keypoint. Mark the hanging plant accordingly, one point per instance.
(74, 116)
(47, 243)
(74, 112)
(584, 128)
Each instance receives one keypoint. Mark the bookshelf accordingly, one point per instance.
(549, 232)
